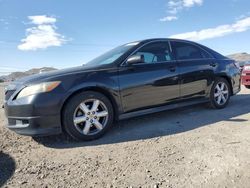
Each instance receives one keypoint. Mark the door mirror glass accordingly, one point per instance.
(135, 59)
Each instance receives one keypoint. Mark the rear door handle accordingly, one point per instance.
(213, 64)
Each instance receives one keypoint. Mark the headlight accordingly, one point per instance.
(38, 88)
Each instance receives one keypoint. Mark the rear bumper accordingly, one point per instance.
(236, 89)
(236, 84)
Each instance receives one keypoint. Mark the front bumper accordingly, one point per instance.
(35, 126)
(34, 115)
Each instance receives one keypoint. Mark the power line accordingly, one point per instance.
(71, 44)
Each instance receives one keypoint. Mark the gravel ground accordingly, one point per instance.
(188, 147)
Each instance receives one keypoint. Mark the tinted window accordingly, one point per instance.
(148, 57)
(155, 52)
(185, 51)
(112, 55)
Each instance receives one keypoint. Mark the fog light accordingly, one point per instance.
(22, 122)
(19, 122)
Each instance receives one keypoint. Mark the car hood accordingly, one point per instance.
(36, 78)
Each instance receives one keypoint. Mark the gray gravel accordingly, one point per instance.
(188, 147)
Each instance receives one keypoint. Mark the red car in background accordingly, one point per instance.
(245, 75)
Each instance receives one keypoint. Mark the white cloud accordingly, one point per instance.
(219, 31)
(42, 19)
(176, 6)
(168, 19)
(191, 3)
(42, 35)
(4, 21)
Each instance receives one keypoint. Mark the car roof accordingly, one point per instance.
(212, 52)
(169, 39)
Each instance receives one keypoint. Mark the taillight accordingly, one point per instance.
(236, 65)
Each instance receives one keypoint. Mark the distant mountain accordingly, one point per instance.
(240, 57)
(16, 75)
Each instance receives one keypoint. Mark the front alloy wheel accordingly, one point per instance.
(90, 117)
(87, 115)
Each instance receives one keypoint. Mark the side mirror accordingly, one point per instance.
(135, 59)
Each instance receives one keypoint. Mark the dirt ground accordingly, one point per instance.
(188, 147)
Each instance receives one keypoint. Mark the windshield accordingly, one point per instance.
(112, 55)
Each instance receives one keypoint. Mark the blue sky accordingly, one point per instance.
(68, 33)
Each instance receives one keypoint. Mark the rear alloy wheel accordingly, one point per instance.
(87, 116)
(220, 94)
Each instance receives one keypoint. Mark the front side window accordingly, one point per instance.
(185, 51)
(112, 55)
(155, 52)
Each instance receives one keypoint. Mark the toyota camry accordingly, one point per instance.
(134, 79)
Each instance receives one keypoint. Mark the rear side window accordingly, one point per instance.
(155, 52)
(185, 51)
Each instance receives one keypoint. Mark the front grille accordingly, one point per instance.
(8, 94)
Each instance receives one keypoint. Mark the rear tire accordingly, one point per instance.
(87, 116)
(220, 94)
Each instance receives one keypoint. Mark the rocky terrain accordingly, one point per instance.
(188, 147)
(16, 75)
(240, 57)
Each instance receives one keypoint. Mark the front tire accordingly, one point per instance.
(87, 116)
(248, 87)
(220, 94)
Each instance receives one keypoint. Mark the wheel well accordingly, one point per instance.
(96, 89)
(230, 83)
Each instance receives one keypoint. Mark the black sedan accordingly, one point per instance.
(133, 79)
